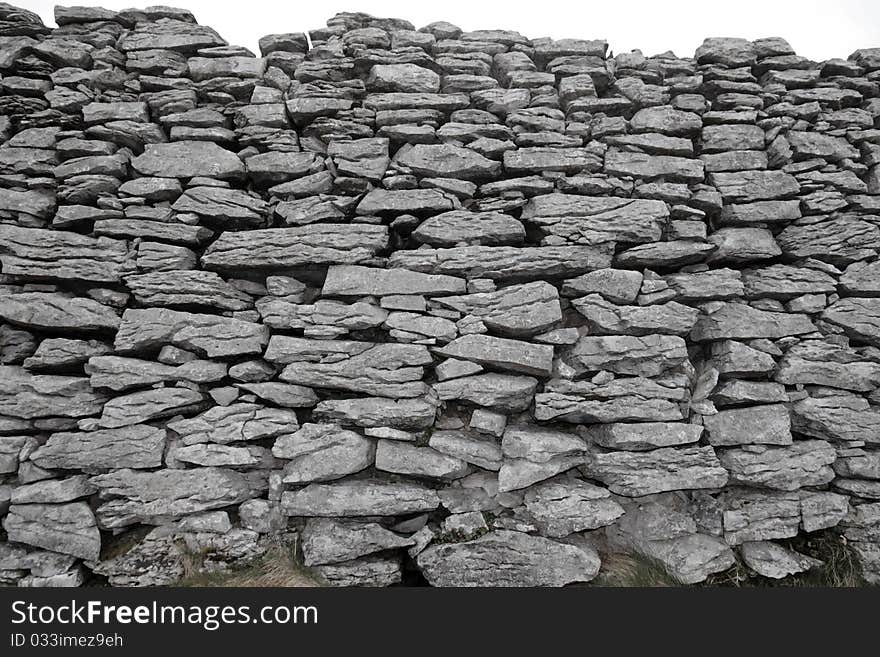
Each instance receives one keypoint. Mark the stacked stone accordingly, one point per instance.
(431, 305)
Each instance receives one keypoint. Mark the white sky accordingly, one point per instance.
(818, 29)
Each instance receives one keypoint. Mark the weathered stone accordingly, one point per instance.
(664, 318)
(642, 436)
(785, 282)
(649, 355)
(858, 317)
(359, 498)
(503, 392)
(222, 207)
(189, 159)
(285, 248)
(840, 240)
(760, 212)
(36, 254)
(233, 423)
(669, 468)
(814, 362)
(332, 541)
(502, 353)
(516, 310)
(49, 311)
(170, 34)
(507, 558)
(404, 414)
(673, 253)
(144, 331)
(596, 219)
(564, 507)
(649, 167)
(616, 285)
(323, 452)
(282, 394)
(384, 369)
(803, 463)
(537, 159)
(862, 279)
(331, 318)
(758, 515)
(739, 321)
(768, 425)
(28, 396)
(469, 448)
(774, 561)
(147, 405)
(447, 161)
(151, 497)
(460, 227)
(748, 186)
(65, 528)
(138, 446)
(741, 245)
(117, 373)
(841, 417)
(354, 280)
(406, 459)
(403, 77)
(621, 400)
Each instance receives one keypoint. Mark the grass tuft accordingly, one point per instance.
(634, 569)
(278, 567)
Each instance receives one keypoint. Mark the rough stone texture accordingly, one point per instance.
(430, 303)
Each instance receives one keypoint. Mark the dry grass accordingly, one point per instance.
(277, 568)
(634, 569)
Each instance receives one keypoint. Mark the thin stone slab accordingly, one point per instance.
(741, 322)
(858, 317)
(355, 280)
(138, 446)
(768, 424)
(662, 318)
(501, 353)
(65, 528)
(507, 558)
(189, 159)
(285, 248)
(53, 312)
(358, 498)
(502, 392)
(29, 396)
(648, 355)
(37, 254)
(642, 436)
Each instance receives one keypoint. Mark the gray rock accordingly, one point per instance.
(147, 405)
(406, 459)
(673, 253)
(507, 558)
(384, 369)
(785, 282)
(323, 452)
(189, 159)
(53, 491)
(282, 394)
(751, 425)
(840, 240)
(742, 245)
(132, 497)
(861, 279)
(448, 161)
(616, 285)
(516, 310)
(662, 318)
(470, 448)
(642, 436)
(36, 254)
(47, 311)
(331, 541)
(749, 186)
(759, 516)
(814, 362)
(359, 498)
(27, 396)
(564, 507)
(739, 321)
(501, 353)
(669, 468)
(403, 77)
(237, 422)
(774, 561)
(505, 263)
(146, 330)
(666, 120)
(858, 317)
(649, 167)
(502, 392)
(621, 400)
(330, 318)
(406, 201)
(284, 248)
(596, 219)
(760, 212)
(118, 373)
(404, 414)
(731, 358)
(376, 570)
(537, 159)
(222, 455)
(222, 207)
(803, 463)
(648, 355)
(837, 417)
(463, 227)
(65, 528)
(354, 280)
(138, 446)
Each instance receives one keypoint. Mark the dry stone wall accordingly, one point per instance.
(463, 308)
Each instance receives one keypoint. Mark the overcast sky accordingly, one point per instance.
(816, 29)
